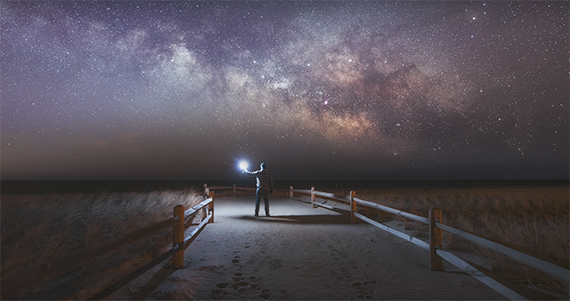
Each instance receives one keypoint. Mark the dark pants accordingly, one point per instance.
(258, 194)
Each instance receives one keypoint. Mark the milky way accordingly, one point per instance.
(329, 90)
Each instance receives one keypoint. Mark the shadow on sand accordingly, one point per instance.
(153, 283)
(298, 219)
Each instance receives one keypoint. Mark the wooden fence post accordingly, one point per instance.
(353, 219)
(211, 206)
(312, 197)
(435, 239)
(234, 189)
(178, 237)
(290, 192)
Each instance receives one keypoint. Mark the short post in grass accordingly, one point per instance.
(435, 239)
(290, 192)
(211, 206)
(312, 197)
(353, 219)
(234, 189)
(178, 237)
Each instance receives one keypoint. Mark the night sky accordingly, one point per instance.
(373, 90)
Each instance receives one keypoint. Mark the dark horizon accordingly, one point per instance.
(353, 90)
(20, 187)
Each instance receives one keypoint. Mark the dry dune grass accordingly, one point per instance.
(534, 221)
(38, 228)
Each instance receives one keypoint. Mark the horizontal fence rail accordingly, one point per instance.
(195, 209)
(475, 273)
(434, 246)
(418, 242)
(190, 238)
(393, 211)
(330, 207)
(343, 198)
(536, 263)
(327, 195)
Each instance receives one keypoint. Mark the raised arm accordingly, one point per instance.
(252, 172)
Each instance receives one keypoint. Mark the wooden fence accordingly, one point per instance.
(234, 189)
(434, 247)
(26, 278)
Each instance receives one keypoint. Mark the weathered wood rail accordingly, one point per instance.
(26, 278)
(434, 246)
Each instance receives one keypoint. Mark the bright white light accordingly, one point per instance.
(243, 165)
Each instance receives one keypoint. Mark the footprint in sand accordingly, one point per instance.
(237, 277)
(219, 293)
(265, 294)
(365, 289)
(254, 285)
(336, 254)
(337, 276)
(239, 287)
(239, 284)
(284, 295)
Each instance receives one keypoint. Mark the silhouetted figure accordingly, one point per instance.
(264, 187)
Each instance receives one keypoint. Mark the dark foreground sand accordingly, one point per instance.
(300, 253)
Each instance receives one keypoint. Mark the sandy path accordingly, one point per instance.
(300, 253)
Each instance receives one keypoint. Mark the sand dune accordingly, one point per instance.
(299, 253)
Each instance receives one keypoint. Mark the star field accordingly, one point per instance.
(324, 90)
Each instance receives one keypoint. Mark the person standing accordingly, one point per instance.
(264, 187)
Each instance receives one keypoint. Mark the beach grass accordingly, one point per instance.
(39, 228)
